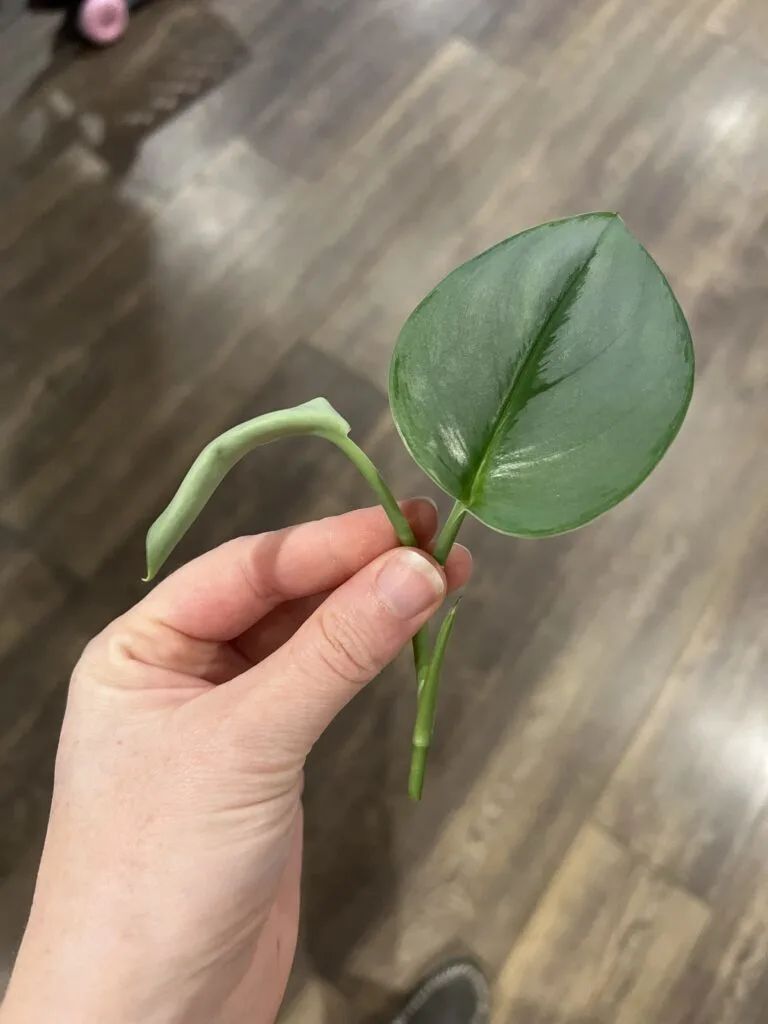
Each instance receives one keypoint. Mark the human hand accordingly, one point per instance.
(169, 885)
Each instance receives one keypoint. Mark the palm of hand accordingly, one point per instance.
(173, 857)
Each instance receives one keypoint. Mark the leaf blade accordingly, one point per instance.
(512, 382)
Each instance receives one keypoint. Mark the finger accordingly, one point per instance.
(221, 594)
(282, 706)
(277, 628)
(281, 623)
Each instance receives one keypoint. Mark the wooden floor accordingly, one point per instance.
(234, 210)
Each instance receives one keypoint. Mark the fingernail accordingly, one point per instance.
(409, 583)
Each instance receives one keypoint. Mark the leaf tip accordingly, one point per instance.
(154, 555)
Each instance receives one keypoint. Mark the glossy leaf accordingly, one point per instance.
(541, 382)
(317, 418)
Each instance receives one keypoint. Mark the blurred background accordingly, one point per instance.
(234, 209)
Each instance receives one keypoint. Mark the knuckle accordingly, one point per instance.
(122, 652)
(257, 570)
(138, 642)
(103, 650)
(344, 648)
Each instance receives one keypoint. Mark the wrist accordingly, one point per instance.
(79, 981)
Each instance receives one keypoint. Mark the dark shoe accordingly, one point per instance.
(456, 993)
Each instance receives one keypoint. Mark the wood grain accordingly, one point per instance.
(235, 209)
(725, 979)
(694, 780)
(743, 23)
(606, 943)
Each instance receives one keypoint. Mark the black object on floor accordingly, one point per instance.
(455, 993)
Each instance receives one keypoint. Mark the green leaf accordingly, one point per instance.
(542, 381)
(317, 418)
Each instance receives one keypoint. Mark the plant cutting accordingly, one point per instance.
(538, 385)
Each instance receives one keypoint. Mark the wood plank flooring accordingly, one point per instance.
(234, 209)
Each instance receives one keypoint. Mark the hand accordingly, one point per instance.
(169, 885)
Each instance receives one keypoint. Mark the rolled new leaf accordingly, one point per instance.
(317, 418)
(427, 705)
(541, 382)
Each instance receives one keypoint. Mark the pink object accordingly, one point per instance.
(103, 21)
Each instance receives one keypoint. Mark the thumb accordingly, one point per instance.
(292, 696)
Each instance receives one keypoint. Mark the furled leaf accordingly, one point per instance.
(427, 705)
(317, 418)
(542, 381)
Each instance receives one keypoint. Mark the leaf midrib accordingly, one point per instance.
(511, 405)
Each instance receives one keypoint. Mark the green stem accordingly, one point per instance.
(420, 643)
(449, 532)
(427, 665)
(356, 454)
(421, 654)
(419, 756)
(425, 714)
(443, 547)
(429, 670)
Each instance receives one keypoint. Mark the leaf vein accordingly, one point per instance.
(511, 404)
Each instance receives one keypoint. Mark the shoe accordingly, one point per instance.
(456, 993)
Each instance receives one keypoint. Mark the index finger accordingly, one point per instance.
(224, 592)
